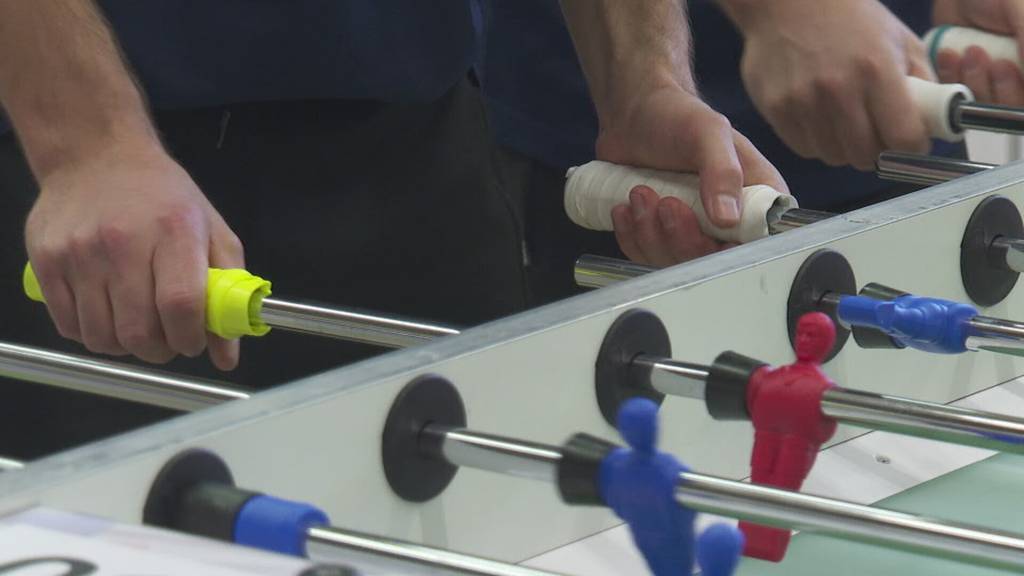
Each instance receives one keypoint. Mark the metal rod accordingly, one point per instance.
(593, 271)
(866, 409)
(6, 464)
(371, 552)
(850, 521)
(1008, 252)
(926, 170)
(674, 378)
(496, 454)
(995, 335)
(989, 117)
(772, 506)
(111, 379)
(925, 419)
(349, 325)
(782, 220)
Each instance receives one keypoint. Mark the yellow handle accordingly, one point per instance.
(233, 301)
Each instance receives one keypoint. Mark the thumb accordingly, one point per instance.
(721, 175)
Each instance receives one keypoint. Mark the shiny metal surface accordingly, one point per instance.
(111, 379)
(349, 325)
(1009, 251)
(674, 378)
(593, 271)
(926, 170)
(386, 556)
(867, 409)
(6, 464)
(925, 419)
(762, 504)
(995, 335)
(781, 220)
(497, 454)
(989, 117)
(850, 521)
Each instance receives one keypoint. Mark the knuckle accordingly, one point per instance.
(80, 245)
(869, 67)
(135, 337)
(180, 301)
(832, 86)
(178, 220)
(100, 344)
(115, 238)
(802, 99)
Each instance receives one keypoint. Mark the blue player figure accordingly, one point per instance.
(928, 324)
(639, 484)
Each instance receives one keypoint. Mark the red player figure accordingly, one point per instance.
(789, 428)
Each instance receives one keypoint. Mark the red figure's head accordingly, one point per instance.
(815, 336)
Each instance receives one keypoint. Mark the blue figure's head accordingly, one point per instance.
(638, 424)
(718, 550)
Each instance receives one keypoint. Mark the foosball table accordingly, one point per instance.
(854, 378)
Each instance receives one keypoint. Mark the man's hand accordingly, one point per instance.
(636, 56)
(829, 76)
(120, 237)
(672, 129)
(993, 81)
(121, 242)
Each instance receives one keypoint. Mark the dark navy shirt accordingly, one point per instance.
(194, 53)
(540, 107)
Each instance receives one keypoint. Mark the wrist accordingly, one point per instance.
(620, 103)
(51, 148)
(99, 152)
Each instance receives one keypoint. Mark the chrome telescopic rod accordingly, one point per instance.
(989, 117)
(926, 170)
(866, 409)
(111, 379)
(761, 504)
(349, 325)
(7, 464)
(837, 518)
(372, 552)
(1008, 252)
(781, 219)
(995, 335)
(593, 271)
(496, 454)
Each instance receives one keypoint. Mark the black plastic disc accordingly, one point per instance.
(413, 467)
(633, 333)
(181, 473)
(986, 279)
(824, 272)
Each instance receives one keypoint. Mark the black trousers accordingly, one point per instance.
(397, 208)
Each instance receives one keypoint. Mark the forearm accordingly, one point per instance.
(629, 46)
(64, 84)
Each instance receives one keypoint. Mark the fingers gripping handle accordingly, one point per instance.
(960, 38)
(233, 301)
(592, 190)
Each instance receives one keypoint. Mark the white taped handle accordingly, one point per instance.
(592, 190)
(959, 38)
(935, 103)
